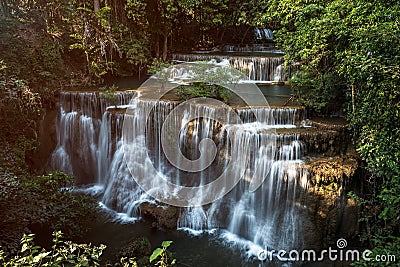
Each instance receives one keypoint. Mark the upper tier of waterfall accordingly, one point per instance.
(258, 68)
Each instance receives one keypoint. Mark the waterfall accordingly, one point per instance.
(263, 34)
(269, 216)
(257, 69)
(83, 132)
(90, 146)
(251, 48)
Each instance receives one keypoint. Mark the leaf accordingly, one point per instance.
(156, 253)
(41, 256)
(166, 244)
(24, 247)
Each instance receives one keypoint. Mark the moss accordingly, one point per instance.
(137, 248)
(325, 171)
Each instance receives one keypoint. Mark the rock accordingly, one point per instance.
(137, 248)
(330, 212)
(162, 216)
(306, 123)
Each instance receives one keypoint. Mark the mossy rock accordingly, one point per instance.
(161, 216)
(137, 248)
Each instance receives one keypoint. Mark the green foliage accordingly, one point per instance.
(358, 43)
(162, 255)
(158, 66)
(67, 253)
(63, 253)
(206, 73)
(45, 201)
(109, 93)
(205, 79)
(16, 94)
(200, 89)
(137, 53)
(313, 90)
(127, 262)
(30, 54)
(139, 248)
(46, 42)
(23, 146)
(94, 37)
(160, 70)
(308, 36)
(19, 105)
(251, 12)
(51, 63)
(63, 209)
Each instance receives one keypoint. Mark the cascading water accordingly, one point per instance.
(90, 146)
(84, 144)
(251, 48)
(263, 34)
(257, 69)
(269, 216)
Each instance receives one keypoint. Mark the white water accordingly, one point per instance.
(257, 69)
(263, 33)
(90, 146)
(84, 142)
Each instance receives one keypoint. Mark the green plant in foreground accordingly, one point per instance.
(63, 253)
(67, 253)
(162, 255)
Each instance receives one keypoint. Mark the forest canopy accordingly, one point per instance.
(93, 38)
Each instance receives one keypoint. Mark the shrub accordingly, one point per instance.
(200, 89)
(63, 253)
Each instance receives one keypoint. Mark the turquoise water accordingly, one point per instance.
(276, 95)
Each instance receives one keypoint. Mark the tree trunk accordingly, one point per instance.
(353, 99)
(165, 46)
(244, 36)
(88, 64)
(96, 5)
(3, 9)
(157, 46)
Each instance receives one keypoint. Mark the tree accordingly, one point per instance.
(356, 43)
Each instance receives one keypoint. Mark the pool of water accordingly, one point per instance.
(196, 250)
(125, 83)
(276, 95)
(202, 250)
